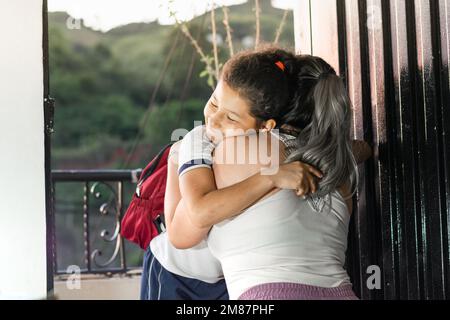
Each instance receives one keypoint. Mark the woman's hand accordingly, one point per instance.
(298, 176)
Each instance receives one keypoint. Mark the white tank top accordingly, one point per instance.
(195, 263)
(283, 238)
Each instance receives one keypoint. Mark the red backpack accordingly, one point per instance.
(143, 219)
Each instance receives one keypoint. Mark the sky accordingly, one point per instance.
(104, 15)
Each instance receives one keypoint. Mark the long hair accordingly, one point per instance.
(322, 108)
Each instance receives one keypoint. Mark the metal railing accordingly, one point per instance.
(92, 181)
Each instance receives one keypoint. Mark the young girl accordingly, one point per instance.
(283, 247)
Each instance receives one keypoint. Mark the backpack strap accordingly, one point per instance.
(151, 169)
(154, 165)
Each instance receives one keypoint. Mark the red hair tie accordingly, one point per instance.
(280, 65)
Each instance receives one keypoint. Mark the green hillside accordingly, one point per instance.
(102, 83)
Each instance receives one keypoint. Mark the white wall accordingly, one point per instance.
(22, 183)
(302, 27)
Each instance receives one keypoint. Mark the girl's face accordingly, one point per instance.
(226, 113)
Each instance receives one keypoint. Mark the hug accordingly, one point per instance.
(237, 230)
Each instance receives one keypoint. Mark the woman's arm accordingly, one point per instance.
(361, 151)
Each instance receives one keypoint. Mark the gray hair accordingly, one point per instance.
(324, 142)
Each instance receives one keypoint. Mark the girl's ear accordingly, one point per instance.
(268, 125)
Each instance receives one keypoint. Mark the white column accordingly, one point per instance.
(22, 181)
(302, 27)
(316, 30)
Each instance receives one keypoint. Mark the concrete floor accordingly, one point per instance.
(98, 287)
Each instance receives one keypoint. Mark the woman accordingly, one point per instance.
(280, 264)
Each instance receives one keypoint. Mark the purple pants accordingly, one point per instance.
(297, 291)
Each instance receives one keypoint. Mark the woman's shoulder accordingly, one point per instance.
(237, 158)
(253, 149)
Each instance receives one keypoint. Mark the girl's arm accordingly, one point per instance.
(206, 206)
(180, 229)
(184, 234)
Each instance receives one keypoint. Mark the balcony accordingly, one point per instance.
(91, 260)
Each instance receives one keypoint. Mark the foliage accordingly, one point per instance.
(103, 82)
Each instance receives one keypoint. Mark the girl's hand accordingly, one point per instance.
(298, 176)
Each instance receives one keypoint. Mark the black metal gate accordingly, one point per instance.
(394, 55)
